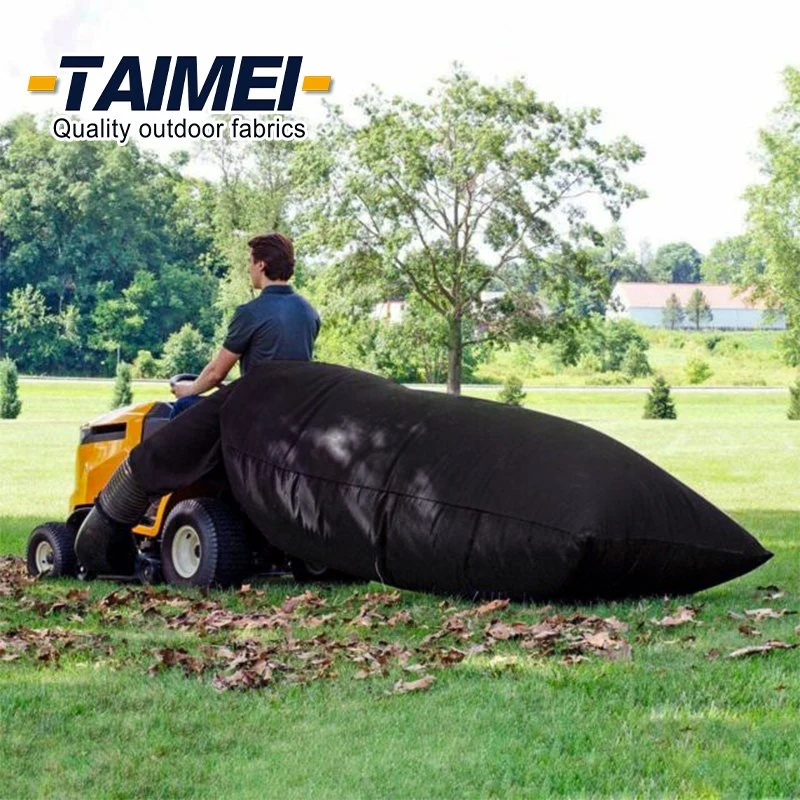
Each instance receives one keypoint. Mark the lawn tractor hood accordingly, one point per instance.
(106, 440)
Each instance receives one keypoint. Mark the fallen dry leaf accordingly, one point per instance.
(382, 598)
(749, 630)
(168, 657)
(569, 660)
(491, 607)
(761, 649)
(420, 685)
(682, 616)
(400, 618)
(503, 631)
(767, 613)
(308, 599)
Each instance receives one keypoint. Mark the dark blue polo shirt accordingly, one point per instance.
(279, 325)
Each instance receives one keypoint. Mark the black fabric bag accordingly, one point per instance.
(457, 495)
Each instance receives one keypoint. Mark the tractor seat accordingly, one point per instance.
(157, 417)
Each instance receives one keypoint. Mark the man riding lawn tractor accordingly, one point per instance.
(203, 539)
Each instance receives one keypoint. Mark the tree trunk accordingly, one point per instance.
(455, 355)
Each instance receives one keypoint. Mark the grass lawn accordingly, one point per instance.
(84, 715)
(735, 358)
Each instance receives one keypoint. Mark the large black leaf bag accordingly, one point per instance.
(457, 495)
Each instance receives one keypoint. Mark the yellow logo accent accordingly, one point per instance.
(316, 83)
(42, 83)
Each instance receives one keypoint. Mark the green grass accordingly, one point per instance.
(750, 358)
(669, 722)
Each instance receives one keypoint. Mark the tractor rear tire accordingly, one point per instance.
(205, 543)
(51, 551)
(309, 572)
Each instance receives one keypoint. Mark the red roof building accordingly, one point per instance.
(645, 303)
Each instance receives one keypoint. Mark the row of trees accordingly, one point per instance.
(106, 252)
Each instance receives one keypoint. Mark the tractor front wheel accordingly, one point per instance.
(51, 551)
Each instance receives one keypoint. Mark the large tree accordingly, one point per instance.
(608, 263)
(480, 187)
(677, 262)
(774, 215)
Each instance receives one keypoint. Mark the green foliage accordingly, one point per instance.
(698, 370)
(677, 262)
(634, 363)
(697, 309)
(590, 362)
(728, 347)
(102, 247)
(348, 331)
(659, 403)
(462, 194)
(185, 351)
(357, 331)
(789, 345)
(123, 393)
(731, 260)
(37, 339)
(256, 189)
(612, 341)
(794, 401)
(774, 218)
(416, 349)
(512, 393)
(10, 404)
(608, 379)
(603, 266)
(712, 341)
(146, 366)
(673, 314)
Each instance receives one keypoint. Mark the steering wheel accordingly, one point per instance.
(182, 377)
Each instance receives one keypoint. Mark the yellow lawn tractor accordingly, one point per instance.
(193, 537)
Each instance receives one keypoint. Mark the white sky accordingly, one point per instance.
(690, 81)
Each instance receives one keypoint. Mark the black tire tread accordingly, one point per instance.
(62, 539)
(224, 541)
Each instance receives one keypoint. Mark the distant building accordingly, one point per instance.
(394, 310)
(389, 310)
(644, 303)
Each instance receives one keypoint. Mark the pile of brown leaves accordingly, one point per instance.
(307, 637)
(46, 644)
(13, 577)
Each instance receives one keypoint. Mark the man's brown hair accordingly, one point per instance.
(277, 251)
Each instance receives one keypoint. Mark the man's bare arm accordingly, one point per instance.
(212, 375)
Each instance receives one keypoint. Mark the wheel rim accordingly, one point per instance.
(186, 551)
(315, 569)
(44, 557)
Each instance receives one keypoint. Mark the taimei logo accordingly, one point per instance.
(234, 84)
(126, 84)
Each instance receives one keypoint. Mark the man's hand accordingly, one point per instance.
(182, 389)
(212, 375)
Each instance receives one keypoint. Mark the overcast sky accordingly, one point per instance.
(692, 82)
